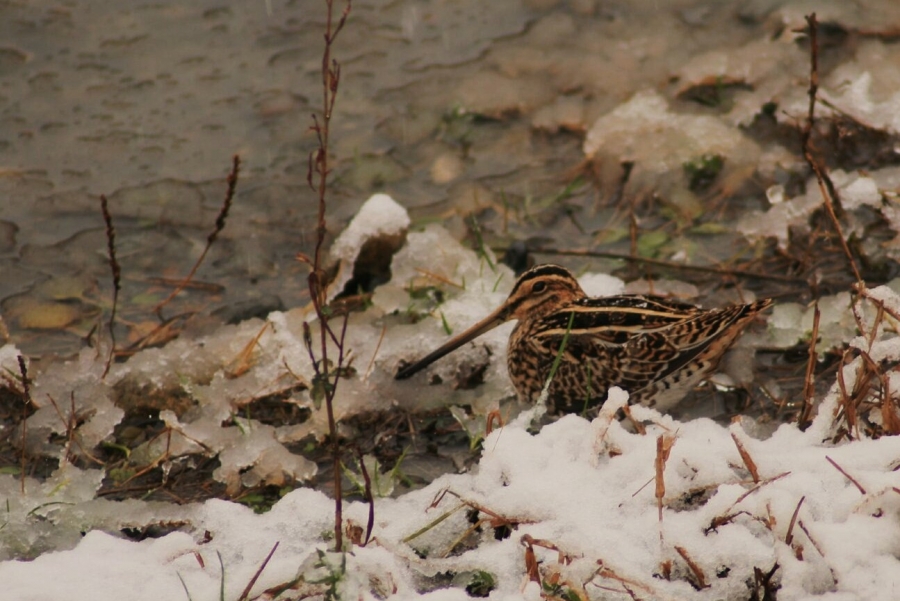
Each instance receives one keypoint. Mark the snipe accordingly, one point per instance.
(655, 348)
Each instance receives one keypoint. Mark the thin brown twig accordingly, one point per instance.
(241, 364)
(491, 418)
(809, 382)
(887, 309)
(317, 279)
(231, 180)
(727, 516)
(662, 263)
(789, 537)
(830, 198)
(814, 544)
(155, 463)
(694, 567)
(116, 276)
(846, 475)
(246, 592)
(439, 278)
(605, 572)
(664, 445)
(71, 423)
(161, 333)
(638, 426)
(758, 486)
(26, 392)
(531, 563)
(745, 456)
(369, 497)
(375, 352)
(844, 401)
(889, 420)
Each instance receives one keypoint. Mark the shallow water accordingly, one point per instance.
(455, 108)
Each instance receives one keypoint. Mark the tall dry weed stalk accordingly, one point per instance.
(327, 372)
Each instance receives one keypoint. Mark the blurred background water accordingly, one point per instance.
(459, 109)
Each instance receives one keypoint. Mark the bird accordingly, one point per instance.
(657, 349)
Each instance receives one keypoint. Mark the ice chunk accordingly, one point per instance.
(44, 517)
(862, 191)
(864, 89)
(433, 256)
(77, 386)
(9, 359)
(855, 190)
(260, 459)
(659, 140)
(759, 71)
(855, 95)
(380, 217)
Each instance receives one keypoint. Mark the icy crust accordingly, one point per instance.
(586, 488)
(221, 374)
(792, 323)
(854, 190)
(659, 140)
(379, 217)
(473, 285)
(865, 89)
(580, 486)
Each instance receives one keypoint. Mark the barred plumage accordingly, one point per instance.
(655, 348)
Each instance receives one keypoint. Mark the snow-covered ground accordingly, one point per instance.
(591, 509)
(586, 488)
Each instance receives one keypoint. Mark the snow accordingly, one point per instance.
(583, 496)
(379, 217)
(577, 484)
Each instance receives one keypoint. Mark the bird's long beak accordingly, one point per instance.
(487, 324)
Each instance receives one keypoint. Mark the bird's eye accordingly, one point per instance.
(539, 287)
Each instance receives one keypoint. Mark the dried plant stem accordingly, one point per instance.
(246, 592)
(117, 279)
(632, 229)
(220, 225)
(317, 280)
(774, 277)
(809, 383)
(831, 199)
(331, 75)
(789, 537)
(846, 404)
(531, 563)
(369, 497)
(664, 445)
(814, 544)
(26, 391)
(726, 516)
(846, 475)
(71, 423)
(695, 568)
(493, 416)
(745, 456)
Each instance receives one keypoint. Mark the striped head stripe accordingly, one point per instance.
(540, 271)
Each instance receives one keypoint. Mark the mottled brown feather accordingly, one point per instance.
(655, 348)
